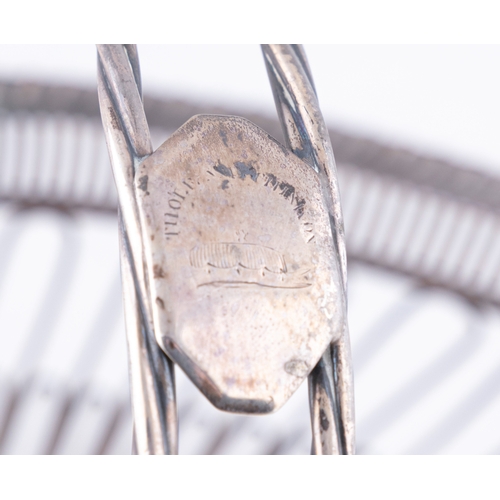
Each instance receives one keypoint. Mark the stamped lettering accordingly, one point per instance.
(174, 203)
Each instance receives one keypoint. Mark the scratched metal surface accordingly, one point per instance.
(238, 261)
(424, 259)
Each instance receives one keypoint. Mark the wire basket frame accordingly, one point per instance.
(432, 223)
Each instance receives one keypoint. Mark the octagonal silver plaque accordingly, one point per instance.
(241, 262)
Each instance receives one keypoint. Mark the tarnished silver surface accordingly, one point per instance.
(241, 262)
(233, 255)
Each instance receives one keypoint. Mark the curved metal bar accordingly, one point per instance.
(305, 129)
(126, 145)
(323, 407)
(151, 376)
(331, 382)
(129, 141)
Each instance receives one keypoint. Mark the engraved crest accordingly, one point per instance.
(243, 264)
(241, 259)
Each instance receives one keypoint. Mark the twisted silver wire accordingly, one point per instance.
(331, 382)
(128, 140)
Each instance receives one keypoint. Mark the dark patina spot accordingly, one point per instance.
(223, 134)
(143, 183)
(158, 271)
(114, 119)
(325, 424)
(222, 169)
(245, 169)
